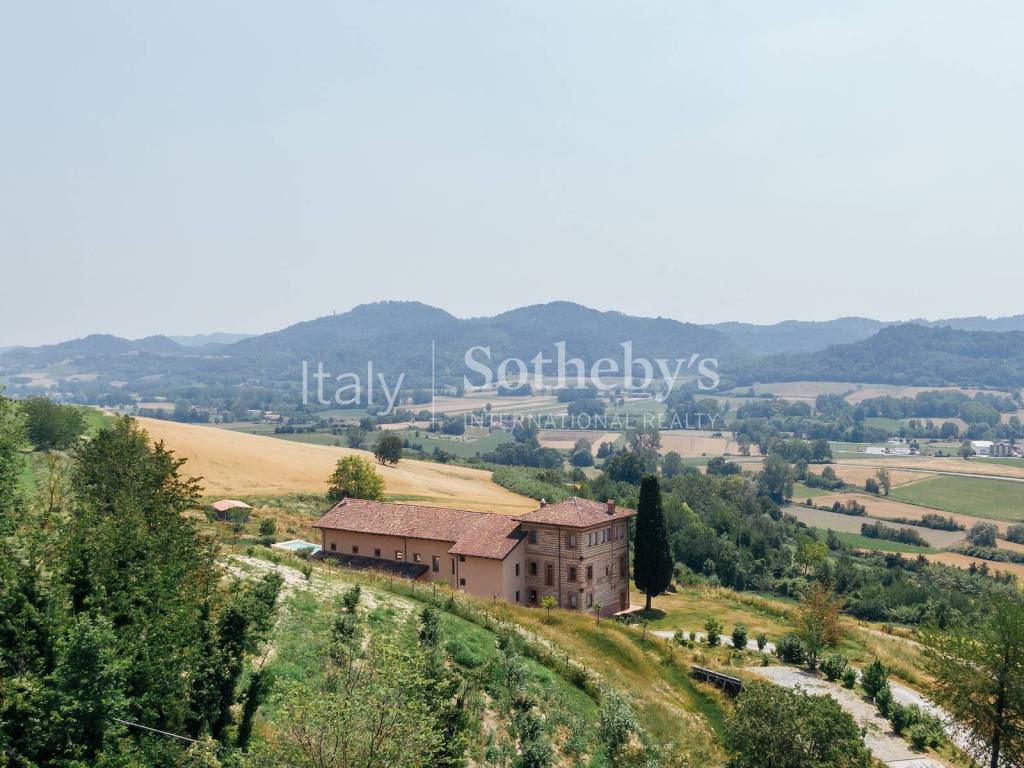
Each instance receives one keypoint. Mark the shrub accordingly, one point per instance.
(982, 534)
(849, 677)
(883, 700)
(739, 636)
(268, 526)
(919, 736)
(762, 641)
(791, 649)
(713, 628)
(873, 678)
(903, 716)
(679, 638)
(834, 666)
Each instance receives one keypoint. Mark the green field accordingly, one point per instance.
(879, 422)
(801, 491)
(1007, 462)
(879, 545)
(461, 448)
(996, 499)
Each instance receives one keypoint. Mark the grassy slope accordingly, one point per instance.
(996, 499)
(878, 545)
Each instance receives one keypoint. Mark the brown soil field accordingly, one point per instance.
(238, 464)
(888, 509)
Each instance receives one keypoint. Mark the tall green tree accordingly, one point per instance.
(652, 555)
(772, 727)
(389, 449)
(776, 479)
(355, 478)
(51, 425)
(979, 679)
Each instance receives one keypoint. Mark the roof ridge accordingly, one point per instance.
(344, 502)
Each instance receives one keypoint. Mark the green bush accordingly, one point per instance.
(791, 649)
(883, 701)
(713, 629)
(873, 678)
(903, 716)
(739, 636)
(762, 641)
(849, 677)
(834, 666)
(919, 736)
(268, 526)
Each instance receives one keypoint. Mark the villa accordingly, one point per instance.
(576, 551)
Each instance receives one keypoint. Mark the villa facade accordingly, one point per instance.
(576, 551)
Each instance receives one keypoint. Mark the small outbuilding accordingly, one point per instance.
(223, 507)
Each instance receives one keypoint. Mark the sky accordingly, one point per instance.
(240, 166)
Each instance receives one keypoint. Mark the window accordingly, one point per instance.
(462, 558)
(453, 566)
(549, 576)
(517, 595)
(416, 557)
(572, 574)
(398, 554)
(570, 541)
(607, 570)
(355, 550)
(533, 596)
(533, 568)
(622, 566)
(572, 599)
(590, 599)
(517, 569)
(590, 573)
(376, 552)
(435, 564)
(533, 536)
(462, 582)
(334, 546)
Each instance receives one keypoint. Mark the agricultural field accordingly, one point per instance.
(976, 497)
(857, 474)
(964, 562)
(840, 523)
(565, 439)
(237, 464)
(877, 545)
(462, 446)
(882, 508)
(692, 443)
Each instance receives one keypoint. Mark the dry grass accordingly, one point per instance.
(963, 561)
(932, 464)
(888, 509)
(239, 464)
(692, 443)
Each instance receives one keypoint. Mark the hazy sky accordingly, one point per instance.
(188, 167)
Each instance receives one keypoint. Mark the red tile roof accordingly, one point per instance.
(575, 512)
(476, 534)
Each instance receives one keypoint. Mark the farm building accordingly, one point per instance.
(576, 551)
(982, 447)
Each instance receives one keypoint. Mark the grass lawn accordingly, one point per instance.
(879, 545)
(464, 449)
(1007, 462)
(996, 499)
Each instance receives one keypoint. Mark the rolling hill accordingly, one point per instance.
(908, 354)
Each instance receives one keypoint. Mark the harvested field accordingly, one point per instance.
(889, 509)
(565, 439)
(953, 464)
(818, 518)
(963, 561)
(239, 464)
(857, 474)
(692, 442)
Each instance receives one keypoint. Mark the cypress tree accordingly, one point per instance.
(652, 557)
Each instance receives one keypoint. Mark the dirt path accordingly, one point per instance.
(883, 743)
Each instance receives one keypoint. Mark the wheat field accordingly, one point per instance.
(238, 464)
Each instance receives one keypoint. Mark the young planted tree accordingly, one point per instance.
(884, 480)
(979, 679)
(818, 625)
(652, 556)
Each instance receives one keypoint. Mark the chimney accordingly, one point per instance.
(543, 503)
(611, 506)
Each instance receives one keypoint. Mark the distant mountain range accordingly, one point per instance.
(398, 336)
